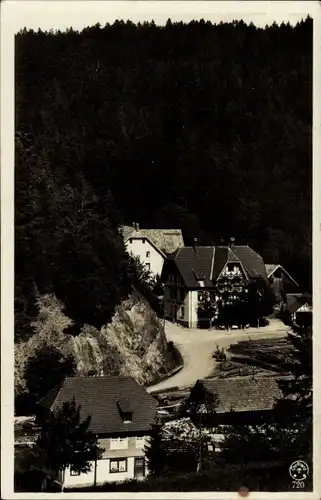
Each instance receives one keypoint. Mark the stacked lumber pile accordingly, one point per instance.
(263, 356)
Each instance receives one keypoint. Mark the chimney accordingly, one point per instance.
(232, 242)
(195, 244)
(137, 226)
(134, 225)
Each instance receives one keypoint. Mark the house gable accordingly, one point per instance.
(272, 269)
(233, 269)
(144, 238)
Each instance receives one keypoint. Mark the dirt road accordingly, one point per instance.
(197, 347)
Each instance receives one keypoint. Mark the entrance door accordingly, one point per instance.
(139, 467)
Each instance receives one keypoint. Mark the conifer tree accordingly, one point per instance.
(65, 441)
(156, 451)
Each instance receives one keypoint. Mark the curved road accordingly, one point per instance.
(197, 347)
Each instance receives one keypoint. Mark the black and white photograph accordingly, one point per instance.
(163, 178)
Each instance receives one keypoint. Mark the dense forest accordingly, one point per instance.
(202, 127)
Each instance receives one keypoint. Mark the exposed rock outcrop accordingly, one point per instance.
(133, 343)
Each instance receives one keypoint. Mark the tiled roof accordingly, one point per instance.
(210, 261)
(166, 240)
(244, 394)
(195, 265)
(127, 231)
(270, 268)
(98, 397)
(251, 260)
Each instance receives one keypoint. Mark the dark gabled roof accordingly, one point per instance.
(101, 397)
(195, 265)
(251, 260)
(125, 405)
(220, 259)
(208, 263)
(243, 394)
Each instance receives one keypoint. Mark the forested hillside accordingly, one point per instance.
(200, 127)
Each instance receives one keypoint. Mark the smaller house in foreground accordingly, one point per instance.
(152, 246)
(122, 415)
(241, 400)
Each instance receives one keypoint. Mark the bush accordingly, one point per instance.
(222, 477)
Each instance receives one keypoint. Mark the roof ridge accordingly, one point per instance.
(212, 264)
(177, 251)
(60, 385)
(237, 258)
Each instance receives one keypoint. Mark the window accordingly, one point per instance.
(119, 444)
(118, 465)
(127, 417)
(147, 254)
(182, 312)
(130, 240)
(143, 240)
(147, 266)
(140, 442)
(74, 472)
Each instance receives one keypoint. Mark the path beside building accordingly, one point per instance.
(197, 347)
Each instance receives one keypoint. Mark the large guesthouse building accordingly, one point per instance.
(191, 271)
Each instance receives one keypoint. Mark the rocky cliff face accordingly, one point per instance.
(133, 343)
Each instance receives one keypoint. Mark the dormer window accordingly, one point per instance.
(127, 417)
(125, 410)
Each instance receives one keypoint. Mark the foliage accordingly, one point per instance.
(184, 440)
(148, 285)
(297, 400)
(221, 477)
(201, 406)
(233, 301)
(131, 121)
(156, 451)
(289, 435)
(45, 368)
(65, 441)
(48, 334)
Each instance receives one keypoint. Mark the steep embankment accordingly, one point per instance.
(133, 343)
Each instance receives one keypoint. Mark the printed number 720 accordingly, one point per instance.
(297, 484)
